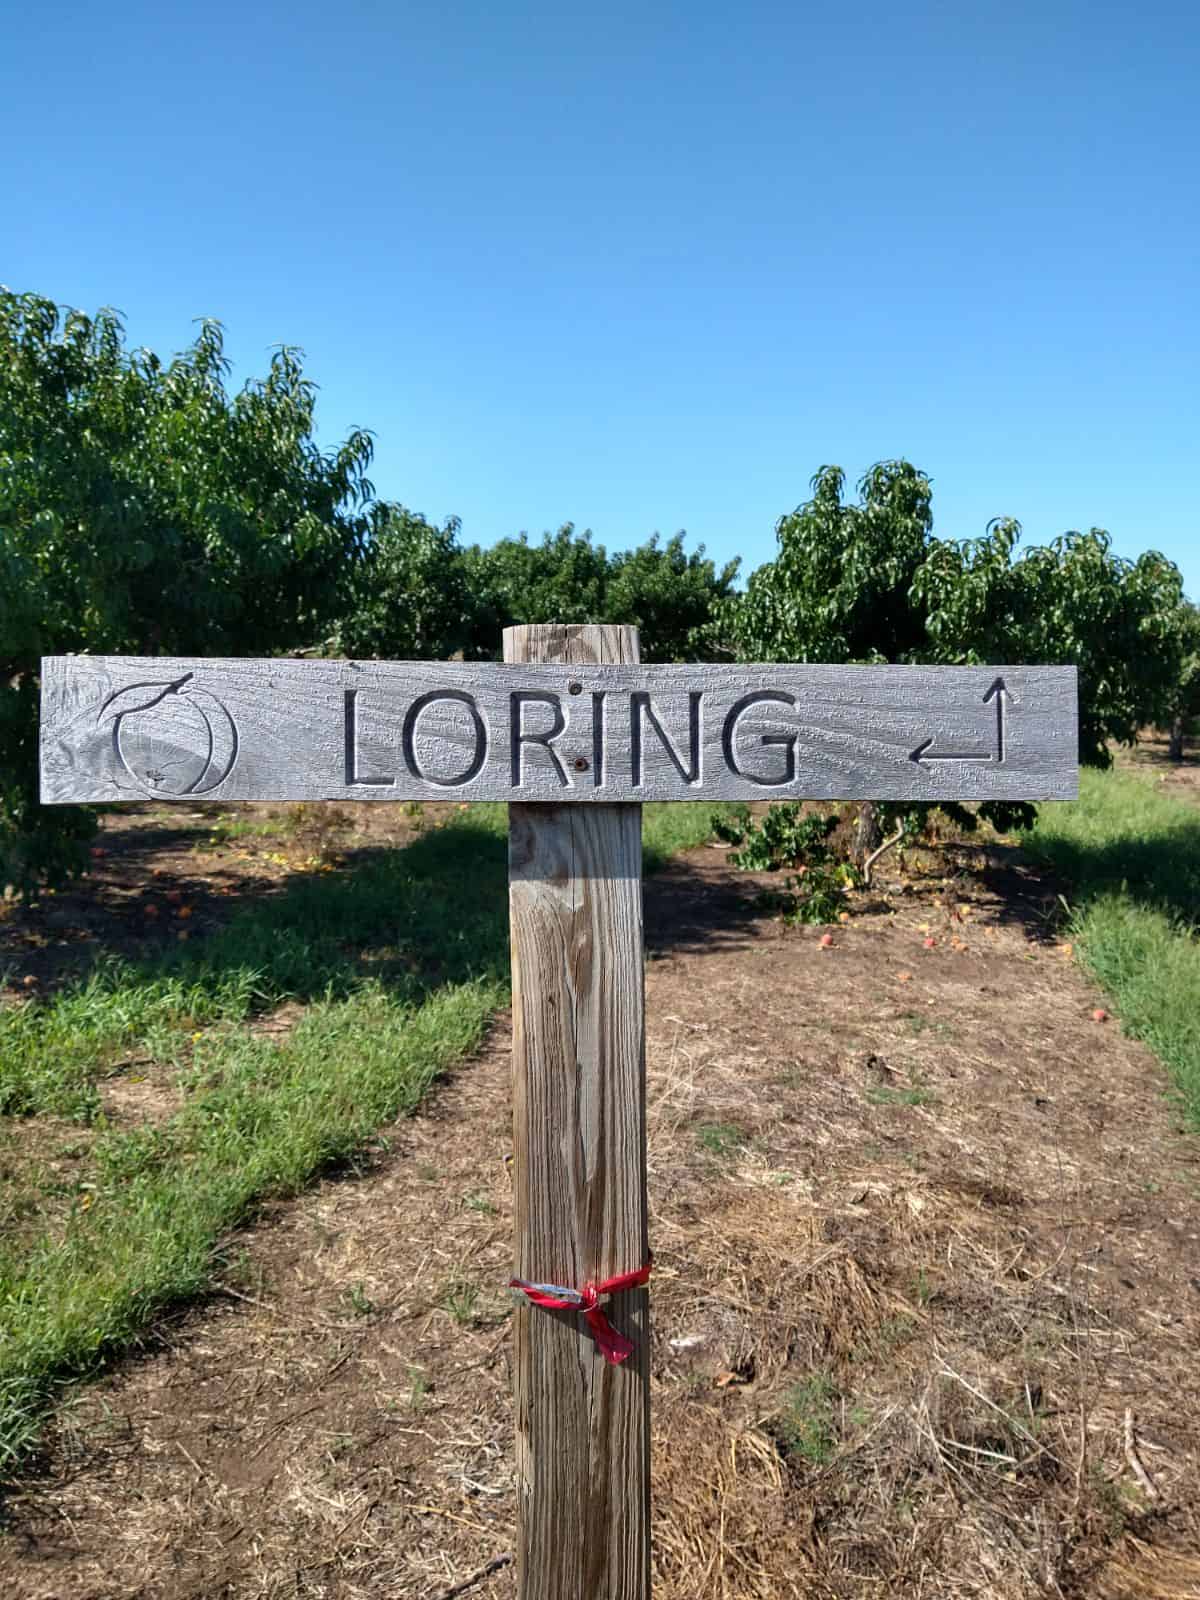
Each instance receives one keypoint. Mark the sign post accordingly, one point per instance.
(579, 1171)
(575, 733)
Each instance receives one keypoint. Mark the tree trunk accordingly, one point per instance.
(1175, 739)
(868, 831)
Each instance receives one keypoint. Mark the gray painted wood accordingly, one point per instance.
(579, 1174)
(122, 728)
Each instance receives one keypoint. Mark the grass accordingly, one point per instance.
(397, 966)
(1131, 858)
(669, 827)
(881, 1095)
(807, 1425)
(721, 1139)
(461, 1300)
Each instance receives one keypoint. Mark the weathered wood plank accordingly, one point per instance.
(122, 728)
(579, 1174)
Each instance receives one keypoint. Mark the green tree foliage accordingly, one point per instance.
(839, 588)
(1072, 601)
(409, 597)
(668, 594)
(145, 510)
(869, 581)
(1185, 702)
(562, 578)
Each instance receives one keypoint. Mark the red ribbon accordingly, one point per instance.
(614, 1346)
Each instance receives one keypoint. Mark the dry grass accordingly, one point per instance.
(942, 1241)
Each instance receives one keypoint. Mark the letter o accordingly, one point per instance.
(409, 739)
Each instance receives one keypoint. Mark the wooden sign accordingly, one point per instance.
(570, 717)
(120, 728)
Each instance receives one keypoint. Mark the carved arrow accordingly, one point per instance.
(1000, 692)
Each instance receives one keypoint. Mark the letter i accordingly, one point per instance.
(598, 705)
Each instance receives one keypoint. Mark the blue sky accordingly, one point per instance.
(648, 267)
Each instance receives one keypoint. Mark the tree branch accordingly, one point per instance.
(875, 854)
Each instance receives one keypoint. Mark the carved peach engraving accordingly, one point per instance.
(171, 737)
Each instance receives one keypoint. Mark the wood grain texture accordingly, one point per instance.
(116, 728)
(579, 1173)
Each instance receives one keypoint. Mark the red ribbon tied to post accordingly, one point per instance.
(614, 1346)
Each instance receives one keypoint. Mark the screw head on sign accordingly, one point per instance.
(574, 688)
(582, 764)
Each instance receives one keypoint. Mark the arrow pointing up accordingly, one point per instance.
(999, 692)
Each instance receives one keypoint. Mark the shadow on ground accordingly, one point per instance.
(1158, 870)
(432, 910)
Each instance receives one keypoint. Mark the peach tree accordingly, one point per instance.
(868, 580)
(143, 510)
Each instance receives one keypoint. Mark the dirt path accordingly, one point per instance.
(925, 1235)
(1180, 779)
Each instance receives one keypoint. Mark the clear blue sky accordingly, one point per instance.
(647, 267)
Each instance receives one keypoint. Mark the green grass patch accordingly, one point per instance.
(881, 1095)
(721, 1139)
(807, 1425)
(411, 920)
(227, 830)
(671, 826)
(1130, 856)
(398, 964)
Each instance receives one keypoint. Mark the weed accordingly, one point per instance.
(720, 1138)
(786, 837)
(418, 1390)
(239, 1268)
(230, 828)
(895, 1331)
(360, 1302)
(479, 1203)
(807, 1422)
(461, 1300)
(1117, 1501)
(918, 1024)
(880, 1094)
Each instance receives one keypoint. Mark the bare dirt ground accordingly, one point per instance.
(1178, 778)
(926, 1299)
(162, 873)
